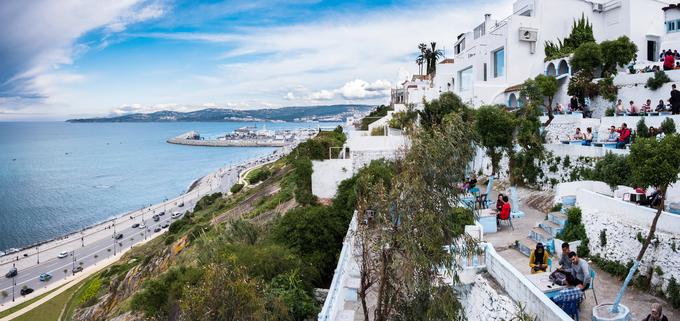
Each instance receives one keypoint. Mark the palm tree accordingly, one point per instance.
(422, 47)
(432, 55)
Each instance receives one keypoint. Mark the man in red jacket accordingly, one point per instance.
(624, 136)
(669, 61)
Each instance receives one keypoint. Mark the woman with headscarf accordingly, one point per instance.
(538, 260)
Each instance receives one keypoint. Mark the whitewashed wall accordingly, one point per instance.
(571, 189)
(621, 223)
(482, 302)
(327, 175)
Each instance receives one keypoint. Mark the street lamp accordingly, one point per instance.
(38, 256)
(73, 256)
(14, 285)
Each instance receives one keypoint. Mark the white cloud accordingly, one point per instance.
(289, 96)
(322, 95)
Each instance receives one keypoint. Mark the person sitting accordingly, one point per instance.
(581, 271)
(677, 64)
(570, 293)
(632, 109)
(619, 107)
(538, 260)
(588, 137)
(565, 262)
(559, 109)
(578, 135)
(613, 135)
(661, 106)
(573, 103)
(656, 313)
(624, 136)
(676, 54)
(499, 203)
(646, 107)
(669, 61)
(504, 214)
(654, 199)
(651, 132)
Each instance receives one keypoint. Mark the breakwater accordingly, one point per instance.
(189, 138)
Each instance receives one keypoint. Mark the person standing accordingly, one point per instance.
(675, 100)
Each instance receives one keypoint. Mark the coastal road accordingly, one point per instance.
(97, 243)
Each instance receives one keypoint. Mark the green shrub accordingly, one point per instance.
(88, 296)
(673, 292)
(236, 188)
(574, 230)
(642, 130)
(668, 126)
(612, 267)
(612, 169)
(380, 111)
(556, 208)
(603, 238)
(609, 112)
(659, 79)
(378, 131)
(290, 289)
(158, 295)
(206, 201)
(258, 175)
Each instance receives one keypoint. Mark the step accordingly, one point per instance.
(551, 227)
(557, 218)
(516, 214)
(526, 246)
(540, 235)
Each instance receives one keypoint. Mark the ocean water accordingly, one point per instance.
(57, 178)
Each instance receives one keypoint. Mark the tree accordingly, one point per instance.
(587, 58)
(523, 166)
(432, 55)
(612, 169)
(538, 90)
(653, 163)
(435, 110)
(411, 220)
(495, 127)
(641, 129)
(668, 126)
(581, 85)
(581, 32)
(617, 52)
(422, 47)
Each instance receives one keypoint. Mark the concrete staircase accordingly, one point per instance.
(545, 232)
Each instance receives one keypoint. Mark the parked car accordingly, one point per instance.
(62, 254)
(176, 214)
(180, 205)
(142, 226)
(26, 291)
(12, 273)
(119, 236)
(136, 225)
(44, 277)
(157, 229)
(166, 225)
(77, 269)
(156, 218)
(161, 213)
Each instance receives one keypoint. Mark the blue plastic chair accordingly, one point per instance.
(592, 284)
(571, 308)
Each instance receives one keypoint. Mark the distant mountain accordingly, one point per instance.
(289, 114)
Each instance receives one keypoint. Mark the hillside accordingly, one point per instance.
(288, 114)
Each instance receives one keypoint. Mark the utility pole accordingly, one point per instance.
(14, 285)
(73, 257)
(38, 256)
(114, 238)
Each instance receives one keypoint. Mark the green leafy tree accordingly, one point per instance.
(581, 33)
(495, 127)
(581, 85)
(653, 163)
(642, 130)
(617, 52)
(540, 89)
(523, 161)
(435, 110)
(612, 169)
(659, 79)
(668, 126)
(291, 290)
(587, 58)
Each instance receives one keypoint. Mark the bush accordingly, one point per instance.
(556, 208)
(378, 131)
(612, 169)
(303, 181)
(668, 126)
(160, 294)
(206, 201)
(236, 188)
(574, 230)
(673, 293)
(258, 175)
(659, 79)
(609, 112)
(612, 267)
(617, 53)
(608, 90)
(380, 111)
(641, 129)
(90, 290)
(587, 58)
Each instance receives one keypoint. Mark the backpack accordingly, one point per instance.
(558, 277)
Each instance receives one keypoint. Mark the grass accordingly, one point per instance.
(25, 304)
(50, 310)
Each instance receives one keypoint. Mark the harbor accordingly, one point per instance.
(248, 136)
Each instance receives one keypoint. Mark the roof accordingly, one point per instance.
(513, 88)
(447, 61)
(671, 6)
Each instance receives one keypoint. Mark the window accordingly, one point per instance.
(460, 47)
(499, 63)
(671, 26)
(480, 30)
(465, 79)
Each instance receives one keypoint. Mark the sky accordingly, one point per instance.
(82, 58)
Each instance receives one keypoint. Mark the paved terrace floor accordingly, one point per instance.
(607, 286)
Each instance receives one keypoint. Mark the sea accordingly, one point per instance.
(58, 177)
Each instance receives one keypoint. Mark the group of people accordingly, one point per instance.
(673, 105)
(586, 137)
(503, 209)
(668, 58)
(619, 135)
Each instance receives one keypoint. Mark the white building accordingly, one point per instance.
(493, 59)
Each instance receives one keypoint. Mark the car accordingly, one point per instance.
(161, 213)
(156, 218)
(26, 291)
(44, 277)
(136, 225)
(118, 236)
(180, 205)
(77, 269)
(62, 254)
(176, 214)
(166, 225)
(142, 226)
(12, 273)
(157, 229)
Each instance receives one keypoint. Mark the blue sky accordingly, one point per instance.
(70, 58)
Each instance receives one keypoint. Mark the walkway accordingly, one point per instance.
(607, 287)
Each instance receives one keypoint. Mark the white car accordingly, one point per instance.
(142, 226)
(62, 254)
(176, 214)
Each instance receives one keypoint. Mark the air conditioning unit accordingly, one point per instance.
(598, 7)
(528, 34)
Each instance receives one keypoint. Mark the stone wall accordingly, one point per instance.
(484, 301)
(327, 175)
(624, 225)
